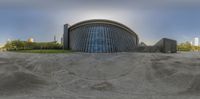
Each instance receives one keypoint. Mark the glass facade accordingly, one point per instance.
(101, 38)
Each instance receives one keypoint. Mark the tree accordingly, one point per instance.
(185, 46)
(23, 45)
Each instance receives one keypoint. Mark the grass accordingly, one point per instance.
(43, 51)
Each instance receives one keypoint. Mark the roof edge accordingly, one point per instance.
(106, 21)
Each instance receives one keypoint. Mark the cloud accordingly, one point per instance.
(150, 19)
(98, 4)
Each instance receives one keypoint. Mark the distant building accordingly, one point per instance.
(55, 40)
(61, 40)
(142, 44)
(195, 41)
(30, 40)
(191, 43)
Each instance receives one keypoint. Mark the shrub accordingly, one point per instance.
(23, 45)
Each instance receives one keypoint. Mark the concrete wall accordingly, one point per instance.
(166, 45)
(66, 37)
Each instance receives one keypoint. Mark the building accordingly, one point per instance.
(166, 45)
(30, 40)
(195, 41)
(61, 40)
(54, 39)
(99, 36)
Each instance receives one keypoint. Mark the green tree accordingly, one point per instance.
(23, 45)
(185, 46)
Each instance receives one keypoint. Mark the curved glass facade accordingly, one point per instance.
(101, 38)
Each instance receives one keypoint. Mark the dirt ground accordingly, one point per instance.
(100, 76)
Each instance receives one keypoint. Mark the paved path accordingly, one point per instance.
(99, 76)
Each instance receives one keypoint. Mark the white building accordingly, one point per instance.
(195, 41)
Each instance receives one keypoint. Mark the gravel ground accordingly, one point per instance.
(100, 76)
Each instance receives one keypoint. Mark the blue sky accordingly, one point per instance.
(150, 19)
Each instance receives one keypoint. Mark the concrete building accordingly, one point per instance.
(166, 45)
(105, 36)
(66, 37)
(99, 36)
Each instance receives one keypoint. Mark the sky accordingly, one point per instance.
(150, 19)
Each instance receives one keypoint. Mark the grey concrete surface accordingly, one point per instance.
(100, 76)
